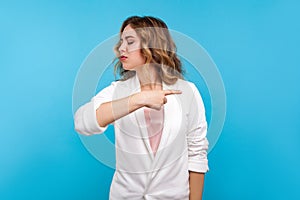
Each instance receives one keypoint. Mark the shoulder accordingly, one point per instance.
(108, 90)
(185, 82)
(185, 86)
(117, 83)
(119, 89)
(189, 90)
(129, 82)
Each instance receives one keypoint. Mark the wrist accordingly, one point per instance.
(137, 100)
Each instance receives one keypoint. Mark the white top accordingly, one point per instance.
(183, 146)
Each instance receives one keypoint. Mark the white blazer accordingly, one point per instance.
(183, 147)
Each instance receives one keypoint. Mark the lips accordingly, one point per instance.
(122, 58)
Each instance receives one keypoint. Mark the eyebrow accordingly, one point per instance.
(127, 37)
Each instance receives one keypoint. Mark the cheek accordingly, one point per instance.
(139, 56)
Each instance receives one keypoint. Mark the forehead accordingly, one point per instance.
(128, 31)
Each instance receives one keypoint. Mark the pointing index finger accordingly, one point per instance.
(168, 92)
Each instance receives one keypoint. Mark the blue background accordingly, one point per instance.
(255, 45)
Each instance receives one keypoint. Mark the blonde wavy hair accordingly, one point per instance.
(157, 46)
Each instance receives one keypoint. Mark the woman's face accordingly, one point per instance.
(130, 49)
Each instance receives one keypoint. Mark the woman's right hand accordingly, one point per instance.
(155, 99)
(110, 111)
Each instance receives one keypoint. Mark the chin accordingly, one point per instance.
(130, 68)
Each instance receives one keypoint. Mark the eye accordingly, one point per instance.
(129, 42)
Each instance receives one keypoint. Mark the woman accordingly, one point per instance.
(159, 118)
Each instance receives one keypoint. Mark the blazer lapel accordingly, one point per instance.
(140, 118)
(166, 152)
(172, 118)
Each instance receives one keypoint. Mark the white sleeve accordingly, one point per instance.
(85, 120)
(196, 136)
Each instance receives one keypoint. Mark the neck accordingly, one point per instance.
(149, 78)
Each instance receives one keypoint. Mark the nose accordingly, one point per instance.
(122, 47)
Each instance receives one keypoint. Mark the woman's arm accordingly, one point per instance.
(110, 111)
(196, 185)
(197, 145)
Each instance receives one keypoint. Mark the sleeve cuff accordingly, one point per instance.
(87, 122)
(201, 167)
